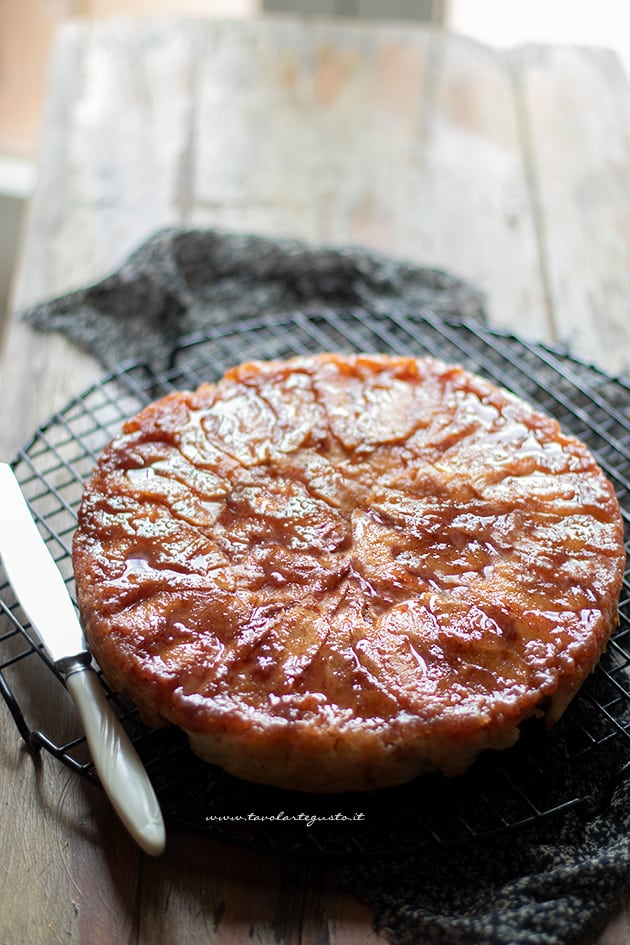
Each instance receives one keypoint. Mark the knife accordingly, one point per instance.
(42, 593)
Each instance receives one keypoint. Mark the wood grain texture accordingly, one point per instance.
(617, 930)
(236, 895)
(109, 173)
(576, 117)
(380, 139)
(69, 872)
(109, 176)
(506, 168)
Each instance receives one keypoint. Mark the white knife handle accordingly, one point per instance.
(121, 772)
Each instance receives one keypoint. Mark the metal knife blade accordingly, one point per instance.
(42, 593)
(34, 576)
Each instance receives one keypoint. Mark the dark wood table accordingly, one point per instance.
(510, 169)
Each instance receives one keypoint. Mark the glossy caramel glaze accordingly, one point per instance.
(337, 571)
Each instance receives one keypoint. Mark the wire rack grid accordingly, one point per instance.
(576, 766)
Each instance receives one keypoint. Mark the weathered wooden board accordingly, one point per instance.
(575, 108)
(509, 169)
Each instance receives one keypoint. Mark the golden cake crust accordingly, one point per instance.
(336, 572)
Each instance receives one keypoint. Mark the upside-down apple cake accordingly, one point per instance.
(339, 571)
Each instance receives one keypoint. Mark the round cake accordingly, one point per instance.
(337, 572)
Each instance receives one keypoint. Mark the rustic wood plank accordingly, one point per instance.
(576, 110)
(348, 135)
(69, 871)
(402, 139)
(305, 154)
(239, 895)
(116, 130)
(103, 864)
(55, 848)
(205, 890)
(109, 176)
(340, 136)
(29, 848)
(76, 868)
(334, 917)
(430, 147)
(471, 209)
(617, 930)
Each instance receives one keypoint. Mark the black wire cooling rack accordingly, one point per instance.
(577, 765)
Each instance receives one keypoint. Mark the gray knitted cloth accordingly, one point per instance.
(551, 884)
(181, 281)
